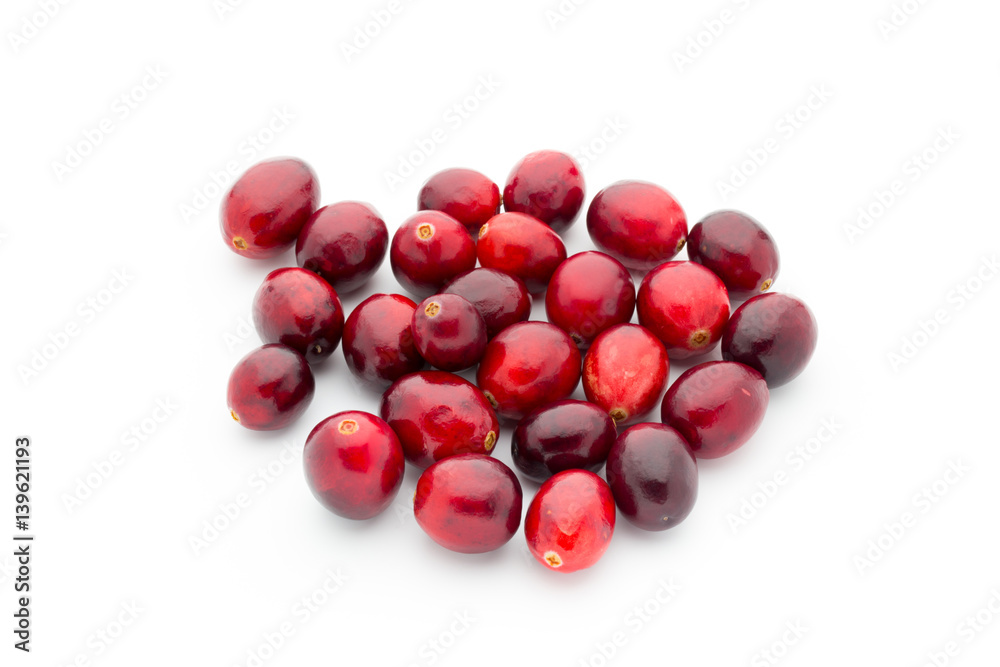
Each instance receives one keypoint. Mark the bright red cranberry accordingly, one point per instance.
(437, 415)
(345, 243)
(716, 406)
(299, 309)
(464, 194)
(570, 521)
(685, 305)
(638, 223)
(653, 476)
(500, 298)
(449, 332)
(589, 293)
(736, 248)
(266, 208)
(625, 372)
(562, 436)
(774, 334)
(526, 366)
(547, 185)
(378, 340)
(521, 246)
(354, 464)
(428, 250)
(270, 388)
(469, 503)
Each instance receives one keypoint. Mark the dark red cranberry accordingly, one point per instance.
(638, 223)
(430, 249)
(774, 334)
(378, 339)
(528, 365)
(547, 185)
(500, 298)
(653, 476)
(437, 415)
(299, 309)
(562, 436)
(449, 332)
(625, 372)
(589, 293)
(736, 248)
(469, 503)
(685, 305)
(267, 206)
(716, 406)
(270, 388)
(464, 194)
(354, 464)
(521, 246)
(570, 521)
(345, 243)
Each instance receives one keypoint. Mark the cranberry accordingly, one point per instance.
(449, 332)
(775, 334)
(625, 372)
(299, 309)
(267, 206)
(716, 406)
(547, 185)
(562, 436)
(438, 414)
(736, 248)
(589, 293)
(638, 223)
(521, 246)
(500, 298)
(570, 521)
(270, 388)
(428, 250)
(685, 305)
(354, 464)
(527, 366)
(653, 476)
(469, 503)
(345, 243)
(464, 194)
(378, 340)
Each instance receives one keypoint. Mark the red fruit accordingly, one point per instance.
(774, 334)
(736, 248)
(716, 406)
(378, 340)
(344, 243)
(270, 388)
(464, 194)
(625, 372)
(521, 246)
(469, 503)
(684, 305)
(570, 521)
(500, 298)
(299, 309)
(354, 464)
(562, 436)
(547, 185)
(589, 293)
(638, 223)
(428, 250)
(266, 208)
(449, 332)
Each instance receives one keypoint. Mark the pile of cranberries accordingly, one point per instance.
(462, 317)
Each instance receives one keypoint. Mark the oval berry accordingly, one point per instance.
(449, 332)
(378, 340)
(270, 388)
(299, 309)
(639, 224)
(547, 185)
(345, 243)
(521, 246)
(500, 298)
(625, 372)
(774, 334)
(736, 248)
(589, 293)
(428, 250)
(684, 305)
(464, 194)
(562, 436)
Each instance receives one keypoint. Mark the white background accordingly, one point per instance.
(607, 77)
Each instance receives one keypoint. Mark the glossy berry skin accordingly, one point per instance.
(526, 366)
(299, 309)
(625, 372)
(345, 243)
(716, 407)
(270, 388)
(562, 436)
(500, 298)
(774, 334)
(521, 246)
(570, 521)
(589, 293)
(464, 194)
(653, 476)
(354, 464)
(684, 305)
(264, 211)
(449, 332)
(470, 503)
(547, 185)
(428, 250)
(736, 248)
(639, 224)
(378, 340)
(437, 415)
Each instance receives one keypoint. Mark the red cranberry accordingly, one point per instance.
(469, 503)
(354, 464)
(449, 332)
(562, 436)
(521, 246)
(438, 414)
(500, 298)
(570, 521)
(345, 243)
(266, 208)
(685, 305)
(547, 185)
(270, 388)
(428, 250)
(653, 476)
(299, 309)
(527, 366)
(638, 223)
(775, 334)
(625, 372)
(738, 249)
(716, 406)
(378, 339)
(464, 194)
(589, 293)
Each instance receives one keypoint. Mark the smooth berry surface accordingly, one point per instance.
(449, 332)
(378, 340)
(685, 305)
(589, 293)
(562, 436)
(299, 309)
(500, 298)
(639, 224)
(736, 248)
(625, 372)
(547, 185)
(774, 334)
(270, 388)
(345, 243)
(428, 250)
(464, 194)
(522, 246)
